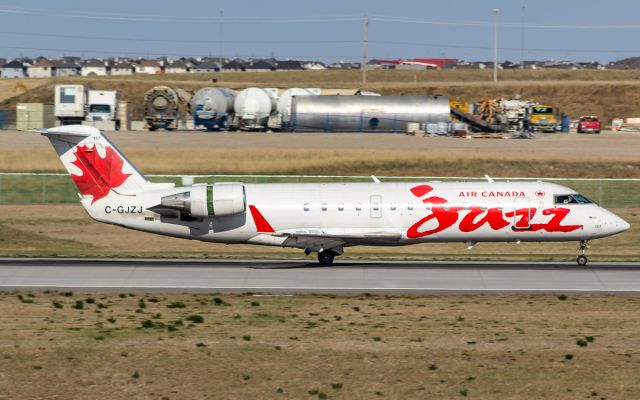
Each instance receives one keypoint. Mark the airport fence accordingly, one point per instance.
(52, 188)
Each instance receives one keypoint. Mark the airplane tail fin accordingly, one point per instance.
(96, 166)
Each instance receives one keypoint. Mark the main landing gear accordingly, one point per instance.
(582, 257)
(326, 257)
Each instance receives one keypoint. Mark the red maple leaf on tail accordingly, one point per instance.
(99, 175)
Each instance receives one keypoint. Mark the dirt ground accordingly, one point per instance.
(207, 346)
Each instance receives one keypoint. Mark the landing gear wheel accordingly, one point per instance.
(326, 257)
(582, 260)
(582, 257)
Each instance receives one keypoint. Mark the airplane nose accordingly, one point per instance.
(621, 224)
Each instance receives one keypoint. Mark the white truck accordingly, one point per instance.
(102, 105)
(70, 100)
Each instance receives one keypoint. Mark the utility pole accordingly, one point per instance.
(522, 38)
(495, 44)
(365, 49)
(221, 37)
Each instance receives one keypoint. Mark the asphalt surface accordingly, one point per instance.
(292, 277)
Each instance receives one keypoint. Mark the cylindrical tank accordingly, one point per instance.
(284, 101)
(253, 106)
(163, 106)
(366, 113)
(211, 107)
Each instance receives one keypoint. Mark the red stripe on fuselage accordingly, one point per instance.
(261, 223)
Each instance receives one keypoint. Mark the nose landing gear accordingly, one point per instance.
(582, 257)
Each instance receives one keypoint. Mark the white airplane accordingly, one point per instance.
(326, 217)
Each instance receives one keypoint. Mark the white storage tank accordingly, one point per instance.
(253, 106)
(284, 101)
(212, 107)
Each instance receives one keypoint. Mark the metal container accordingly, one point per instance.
(34, 116)
(367, 113)
(212, 107)
(253, 106)
(163, 106)
(125, 115)
(284, 101)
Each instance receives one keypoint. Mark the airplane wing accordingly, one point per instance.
(316, 241)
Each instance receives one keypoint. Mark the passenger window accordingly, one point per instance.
(324, 206)
(306, 206)
(358, 207)
(340, 206)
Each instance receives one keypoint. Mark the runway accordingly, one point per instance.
(297, 277)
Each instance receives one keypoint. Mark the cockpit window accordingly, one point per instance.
(581, 199)
(571, 199)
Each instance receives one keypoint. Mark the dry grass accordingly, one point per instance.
(14, 87)
(66, 231)
(597, 156)
(481, 347)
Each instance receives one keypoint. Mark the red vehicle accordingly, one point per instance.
(589, 124)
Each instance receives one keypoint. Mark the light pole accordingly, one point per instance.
(365, 49)
(495, 44)
(221, 39)
(522, 38)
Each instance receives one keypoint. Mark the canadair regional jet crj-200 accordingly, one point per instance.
(326, 217)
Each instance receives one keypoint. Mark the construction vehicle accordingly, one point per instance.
(462, 106)
(487, 116)
(514, 111)
(540, 118)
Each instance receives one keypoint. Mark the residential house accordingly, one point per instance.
(237, 64)
(344, 65)
(64, 68)
(205, 67)
(289, 65)
(13, 70)
(121, 68)
(42, 68)
(313, 65)
(94, 68)
(149, 67)
(176, 67)
(261, 65)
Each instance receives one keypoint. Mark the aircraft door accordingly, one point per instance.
(376, 206)
(522, 213)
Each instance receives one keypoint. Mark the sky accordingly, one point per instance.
(327, 30)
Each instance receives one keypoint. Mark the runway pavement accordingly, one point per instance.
(292, 277)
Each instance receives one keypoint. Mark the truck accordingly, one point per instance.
(540, 118)
(102, 105)
(69, 106)
(589, 123)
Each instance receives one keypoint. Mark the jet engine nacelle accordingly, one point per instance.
(208, 200)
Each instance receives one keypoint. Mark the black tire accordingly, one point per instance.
(582, 261)
(326, 257)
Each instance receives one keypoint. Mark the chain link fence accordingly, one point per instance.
(50, 188)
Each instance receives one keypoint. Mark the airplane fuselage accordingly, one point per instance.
(382, 214)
